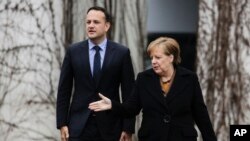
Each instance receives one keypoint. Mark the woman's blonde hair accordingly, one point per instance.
(169, 45)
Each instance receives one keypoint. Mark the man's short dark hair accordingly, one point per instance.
(97, 8)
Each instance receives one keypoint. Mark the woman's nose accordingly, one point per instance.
(152, 60)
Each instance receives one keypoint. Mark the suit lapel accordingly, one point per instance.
(85, 54)
(107, 60)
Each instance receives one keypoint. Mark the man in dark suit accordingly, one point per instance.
(93, 66)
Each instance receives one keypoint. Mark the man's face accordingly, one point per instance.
(96, 26)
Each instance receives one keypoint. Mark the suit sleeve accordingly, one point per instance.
(127, 82)
(201, 115)
(64, 91)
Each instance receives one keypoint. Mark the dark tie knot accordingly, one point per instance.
(97, 48)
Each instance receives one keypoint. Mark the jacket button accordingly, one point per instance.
(166, 118)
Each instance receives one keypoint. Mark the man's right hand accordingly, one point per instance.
(64, 133)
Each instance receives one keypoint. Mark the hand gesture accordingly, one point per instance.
(101, 105)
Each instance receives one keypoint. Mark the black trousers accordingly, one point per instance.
(90, 132)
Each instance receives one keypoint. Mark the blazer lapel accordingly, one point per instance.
(154, 88)
(178, 85)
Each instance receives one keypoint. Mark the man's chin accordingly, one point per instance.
(91, 37)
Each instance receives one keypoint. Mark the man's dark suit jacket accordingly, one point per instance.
(117, 71)
(171, 118)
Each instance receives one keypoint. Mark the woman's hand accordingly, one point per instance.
(101, 105)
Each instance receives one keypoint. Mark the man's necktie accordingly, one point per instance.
(97, 64)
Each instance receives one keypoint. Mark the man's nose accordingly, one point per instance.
(91, 24)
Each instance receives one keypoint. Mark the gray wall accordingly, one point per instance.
(168, 16)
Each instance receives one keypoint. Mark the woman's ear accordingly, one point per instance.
(172, 57)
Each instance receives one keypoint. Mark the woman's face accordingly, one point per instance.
(161, 62)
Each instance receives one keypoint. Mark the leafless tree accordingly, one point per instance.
(30, 57)
(223, 61)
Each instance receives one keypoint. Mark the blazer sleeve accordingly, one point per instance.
(201, 115)
(64, 91)
(127, 82)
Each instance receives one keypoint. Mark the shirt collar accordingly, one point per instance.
(102, 45)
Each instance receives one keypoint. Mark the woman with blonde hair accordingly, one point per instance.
(169, 96)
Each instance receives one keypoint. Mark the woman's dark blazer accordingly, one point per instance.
(173, 118)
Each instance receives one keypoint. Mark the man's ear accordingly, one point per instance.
(107, 26)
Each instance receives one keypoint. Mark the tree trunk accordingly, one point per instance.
(223, 61)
